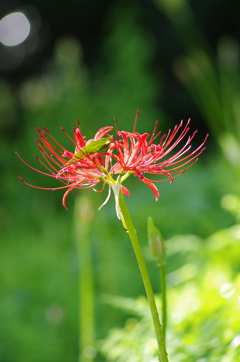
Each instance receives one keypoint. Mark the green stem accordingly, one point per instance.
(164, 300)
(127, 222)
(83, 217)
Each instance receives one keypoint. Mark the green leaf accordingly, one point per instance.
(91, 148)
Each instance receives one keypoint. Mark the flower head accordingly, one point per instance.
(84, 168)
(137, 154)
(101, 158)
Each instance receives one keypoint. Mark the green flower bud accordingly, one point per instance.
(156, 243)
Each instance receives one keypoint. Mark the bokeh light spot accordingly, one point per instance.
(89, 352)
(14, 29)
(236, 341)
(227, 290)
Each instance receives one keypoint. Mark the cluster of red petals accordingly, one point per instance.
(131, 153)
(137, 153)
(82, 174)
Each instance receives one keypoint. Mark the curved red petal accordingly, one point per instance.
(79, 138)
(152, 187)
(125, 191)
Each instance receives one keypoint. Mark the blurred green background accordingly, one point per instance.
(93, 61)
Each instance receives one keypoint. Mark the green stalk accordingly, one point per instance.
(127, 223)
(164, 299)
(83, 217)
(157, 247)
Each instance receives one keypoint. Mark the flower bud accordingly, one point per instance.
(156, 243)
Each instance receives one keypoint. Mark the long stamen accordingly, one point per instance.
(135, 120)
(39, 160)
(42, 188)
(47, 155)
(51, 147)
(63, 130)
(43, 173)
(116, 128)
(54, 139)
(153, 135)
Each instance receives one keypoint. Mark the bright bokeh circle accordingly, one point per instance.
(14, 29)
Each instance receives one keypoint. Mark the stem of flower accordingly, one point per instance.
(164, 300)
(145, 277)
(103, 169)
(124, 177)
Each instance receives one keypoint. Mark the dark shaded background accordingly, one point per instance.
(92, 21)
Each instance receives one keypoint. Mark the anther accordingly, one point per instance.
(116, 127)
(154, 135)
(205, 139)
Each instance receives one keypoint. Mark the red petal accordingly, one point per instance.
(152, 187)
(125, 191)
(79, 138)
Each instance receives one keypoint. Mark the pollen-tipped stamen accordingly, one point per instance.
(116, 127)
(135, 120)
(153, 135)
(71, 139)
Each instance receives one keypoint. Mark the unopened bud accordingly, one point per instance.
(156, 243)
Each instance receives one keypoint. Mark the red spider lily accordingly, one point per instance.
(137, 154)
(134, 153)
(73, 171)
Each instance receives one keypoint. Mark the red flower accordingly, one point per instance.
(137, 154)
(81, 169)
(133, 153)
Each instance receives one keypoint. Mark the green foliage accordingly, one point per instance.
(38, 304)
(204, 306)
(136, 338)
(212, 80)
